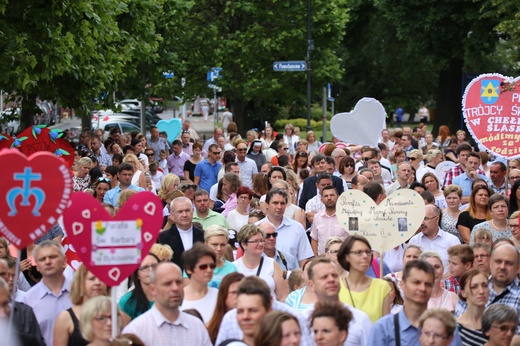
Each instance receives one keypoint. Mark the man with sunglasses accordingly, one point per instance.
(285, 260)
(206, 171)
(248, 167)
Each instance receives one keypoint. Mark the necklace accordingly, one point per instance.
(350, 293)
(498, 229)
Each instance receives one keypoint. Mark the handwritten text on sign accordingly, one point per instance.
(385, 226)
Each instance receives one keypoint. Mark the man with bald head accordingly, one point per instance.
(504, 286)
(164, 322)
(285, 260)
(359, 182)
(432, 237)
(404, 171)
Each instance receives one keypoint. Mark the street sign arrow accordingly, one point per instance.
(289, 66)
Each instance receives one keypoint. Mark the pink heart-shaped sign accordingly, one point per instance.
(33, 194)
(113, 248)
(363, 125)
(491, 108)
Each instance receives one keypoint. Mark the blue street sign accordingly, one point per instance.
(282, 66)
(214, 74)
(168, 75)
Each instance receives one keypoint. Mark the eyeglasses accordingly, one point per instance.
(103, 319)
(429, 218)
(148, 267)
(187, 187)
(333, 252)
(206, 266)
(150, 154)
(506, 329)
(482, 256)
(285, 148)
(361, 252)
(216, 152)
(105, 180)
(186, 131)
(412, 158)
(513, 226)
(273, 235)
(242, 149)
(243, 197)
(302, 153)
(256, 242)
(366, 158)
(349, 165)
(435, 336)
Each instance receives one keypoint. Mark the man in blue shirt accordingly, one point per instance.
(124, 174)
(417, 284)
(206, 171)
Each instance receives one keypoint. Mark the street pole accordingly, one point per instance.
(215, 110)
(309, 48)
(324, 115)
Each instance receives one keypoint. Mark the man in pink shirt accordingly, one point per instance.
(325, 223)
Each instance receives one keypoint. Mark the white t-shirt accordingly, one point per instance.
(205, 306)
(237, 220)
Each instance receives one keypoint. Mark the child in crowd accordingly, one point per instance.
(460, 260)
(483, 236)
(163, 163)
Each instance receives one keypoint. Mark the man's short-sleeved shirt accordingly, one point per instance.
(207, 173)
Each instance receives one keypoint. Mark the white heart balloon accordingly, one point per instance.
(363, 125)
(386, 225)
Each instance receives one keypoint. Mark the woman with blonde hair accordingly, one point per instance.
(216, 238)
(81, 178)
(498, 206)
(313, 145)
(437, 327)
(170, 183)
(290, 138)
(440, 298)
(124, 196)
(138, 179)
(96, 321)
(163, 251)
(85, 286)
(251, 240)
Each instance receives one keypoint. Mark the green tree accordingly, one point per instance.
(446, 31)
(246, 37)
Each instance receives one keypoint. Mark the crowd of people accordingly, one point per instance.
(251, 251)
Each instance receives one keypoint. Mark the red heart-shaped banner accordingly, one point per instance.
(491, 108)
(113, 248)
(33, 194)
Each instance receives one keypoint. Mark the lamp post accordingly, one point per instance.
(310, 46)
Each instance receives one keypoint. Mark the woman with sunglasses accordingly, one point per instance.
(347, 170)
(200, 262)
(101, 187)
(251, 240)
(281, 149)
